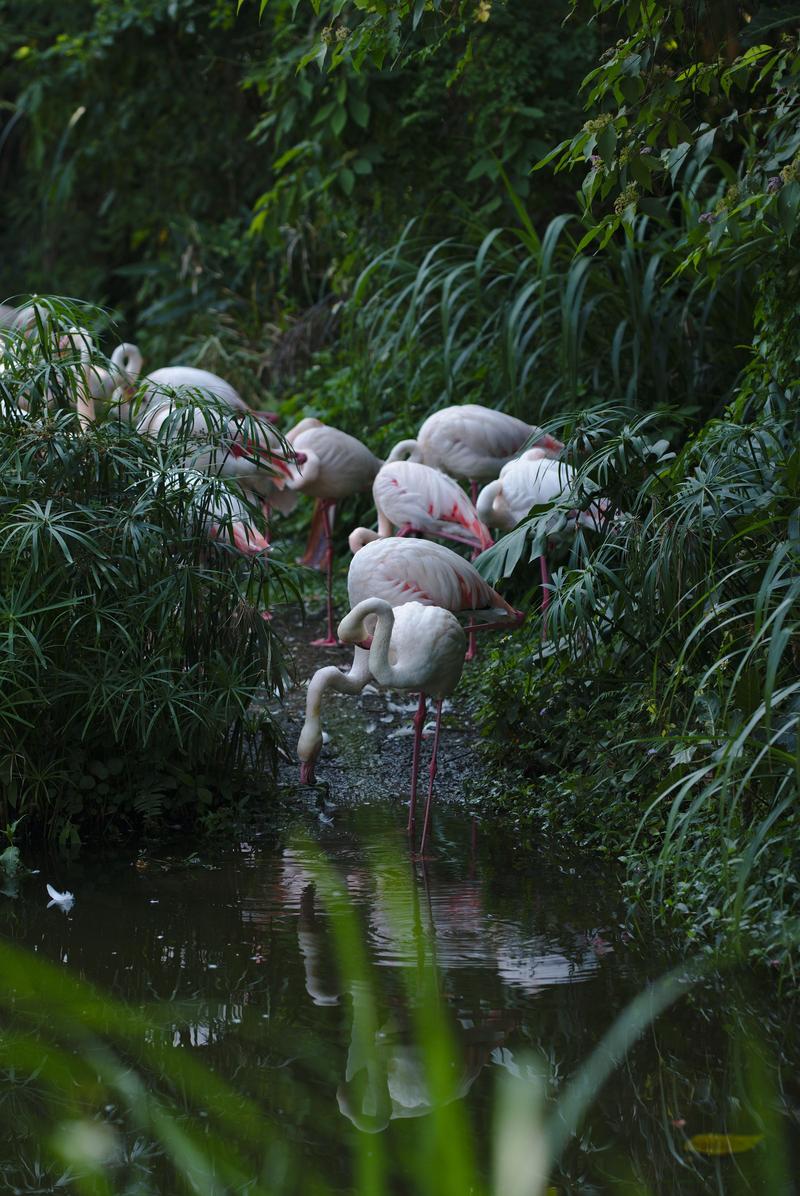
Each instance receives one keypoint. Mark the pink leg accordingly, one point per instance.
(473, 489)
(419, 723)
(426, 822)
(330, 640)
(545, 593)
(472, 643)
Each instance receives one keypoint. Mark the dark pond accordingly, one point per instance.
(530, 966)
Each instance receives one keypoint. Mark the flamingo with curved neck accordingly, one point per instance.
(413, 647)
(472, 442)
(534, 479)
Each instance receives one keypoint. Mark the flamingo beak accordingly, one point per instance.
(268, 417)
(248, 540)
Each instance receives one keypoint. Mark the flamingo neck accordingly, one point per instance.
(485, 505)
(361, 536)
(406, 450)
(127, 360)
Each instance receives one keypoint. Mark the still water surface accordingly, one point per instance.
(530, 963)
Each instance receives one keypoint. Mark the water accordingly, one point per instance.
(237, 952)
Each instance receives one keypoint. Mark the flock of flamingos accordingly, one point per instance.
(407, 592)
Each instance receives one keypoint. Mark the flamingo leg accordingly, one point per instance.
(473, 490)
(472, 643)
(419, 723)
(426, 822)
(328, 508)
(545, 593)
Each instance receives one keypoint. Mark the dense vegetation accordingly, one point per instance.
(133, 640)
(366, 237)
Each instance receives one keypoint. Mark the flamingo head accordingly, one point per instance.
(247, 539)
(307, 772)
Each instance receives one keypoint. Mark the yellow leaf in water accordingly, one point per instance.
(718, 1144)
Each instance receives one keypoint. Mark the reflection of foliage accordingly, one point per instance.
(110, 1098)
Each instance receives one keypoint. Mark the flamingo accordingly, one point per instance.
(416, 498)
(221, 513)
(330, 465)
(401, 570)
(534, 479)
(263, 478)
(415, 647)
(78, 340)
(472, 442)
(127, 362)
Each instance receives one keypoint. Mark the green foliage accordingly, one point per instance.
(689, 603)
(685, 86)
(281, 192)
(133, 644)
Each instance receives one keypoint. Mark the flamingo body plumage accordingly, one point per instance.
(472, 441)
(415, 497)
(330, 466)
(400, 571)
(534, 479)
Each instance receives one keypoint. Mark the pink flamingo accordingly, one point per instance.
(472, 442)
(331, 465)
(401, 571)
(418, 499)
(413, 647)
(534, 479)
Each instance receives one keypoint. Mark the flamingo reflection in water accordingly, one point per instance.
(436, 928)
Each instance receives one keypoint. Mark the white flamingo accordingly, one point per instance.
(534, 479)
(257, 463)
(401, 570)
(417, 498)
(472, 442)
(330, 465)
(413, 647)
(127, 361)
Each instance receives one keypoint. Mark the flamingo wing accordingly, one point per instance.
(429, 501)
(530, 483)
(472, 441)
(172, 376)
(400, 571)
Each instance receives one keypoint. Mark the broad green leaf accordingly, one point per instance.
(788, 203)
(607, 143)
